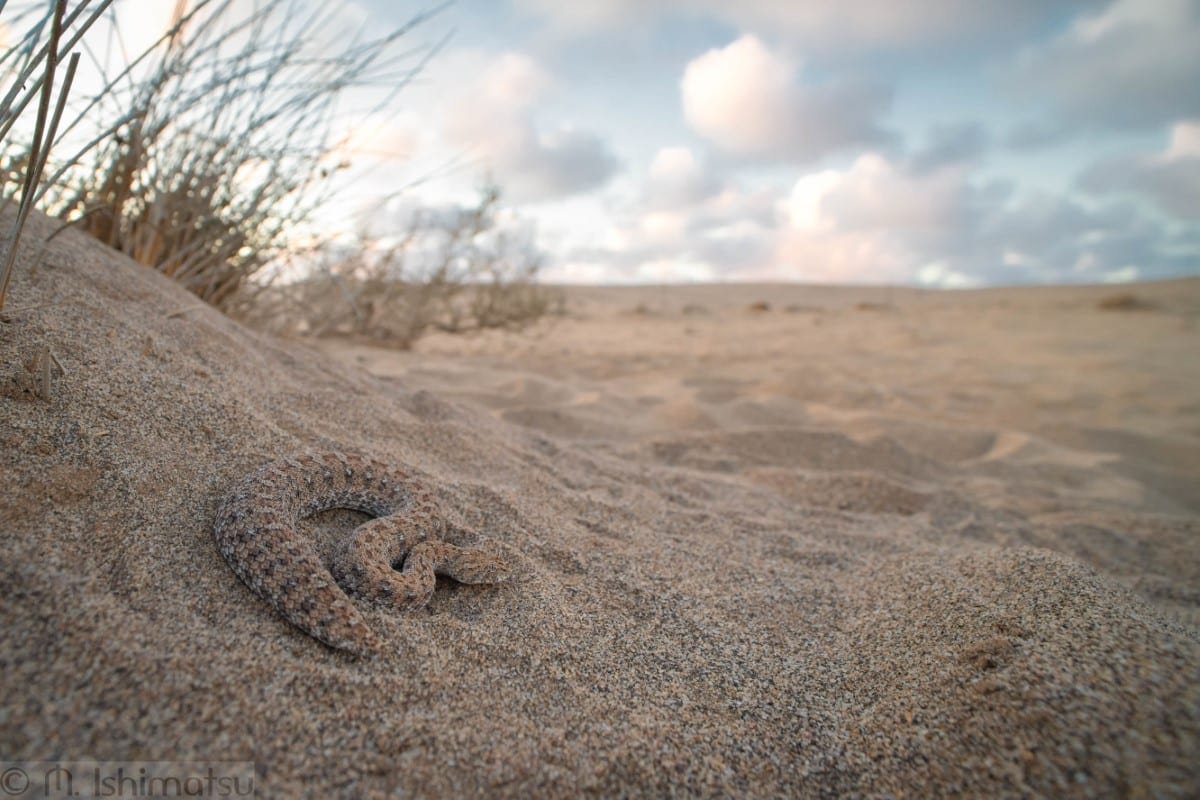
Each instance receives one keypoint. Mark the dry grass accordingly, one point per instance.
(223, 138)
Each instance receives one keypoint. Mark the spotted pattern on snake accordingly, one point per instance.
(256, 531)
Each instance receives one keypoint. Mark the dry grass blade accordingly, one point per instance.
(36, 155)
(45, 131)
(41, 368)
(14, 101)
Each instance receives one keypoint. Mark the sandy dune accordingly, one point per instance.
(862, 541)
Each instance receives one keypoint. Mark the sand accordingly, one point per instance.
(862, 542)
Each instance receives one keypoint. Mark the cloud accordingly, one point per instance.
(729, 232)
(494, 119)
(883, 24)
(881, 221)
(1035, 134)
(1170, 179)
(1132, 65)
(684, 222)
(827, 28)
(753, 102)
(876, 195)
(876, 220)
(949, 144)
(677, 178)
(873, 221)
(584, 18)
(555, 163)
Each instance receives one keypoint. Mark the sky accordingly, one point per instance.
(932, 142)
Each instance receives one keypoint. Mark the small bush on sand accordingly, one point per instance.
(451, 270)
(1123, 301)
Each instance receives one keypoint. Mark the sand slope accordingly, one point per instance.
(942, 547)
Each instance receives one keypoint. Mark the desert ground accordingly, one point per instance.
(767, 540)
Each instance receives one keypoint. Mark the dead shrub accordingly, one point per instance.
(1123, 301)
(452, 270)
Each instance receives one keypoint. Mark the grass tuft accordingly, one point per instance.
(206, 156)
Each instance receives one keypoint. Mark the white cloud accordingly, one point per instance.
(677, 178)
(752, 101)
(875, 195)
(839, 257)
(873, 221)
(1132, 65)
(1185, 141)
(494, 119)
(880, 221)
(876, 220)
(1171, 179)
(683, 222)
(940, 274)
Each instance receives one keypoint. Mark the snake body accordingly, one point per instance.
(391, 560)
